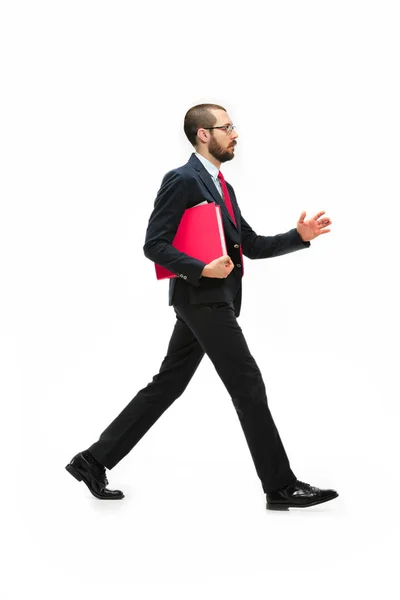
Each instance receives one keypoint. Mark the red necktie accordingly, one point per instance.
(228, 203)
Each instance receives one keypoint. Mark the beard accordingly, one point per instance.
(219, 153)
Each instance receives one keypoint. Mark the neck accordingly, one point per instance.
(210, 157)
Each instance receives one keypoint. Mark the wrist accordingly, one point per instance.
(301, 237)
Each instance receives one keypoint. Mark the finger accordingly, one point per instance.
(318, 215)
(324, 231)
(302, 216)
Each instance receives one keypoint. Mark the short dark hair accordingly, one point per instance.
(199, 116)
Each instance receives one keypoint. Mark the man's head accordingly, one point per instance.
(202, 128)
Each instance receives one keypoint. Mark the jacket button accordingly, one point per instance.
(236, 246)
(184, 277)
(239, 265)
(180, 275)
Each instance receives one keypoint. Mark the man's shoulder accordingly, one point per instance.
(182, 172)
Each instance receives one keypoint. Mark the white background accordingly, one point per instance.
(92, 106)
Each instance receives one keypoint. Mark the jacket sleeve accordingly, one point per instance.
(169, 206)
(261, 246)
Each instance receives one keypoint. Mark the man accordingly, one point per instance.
(206, 299)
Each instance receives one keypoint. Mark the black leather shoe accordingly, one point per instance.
(298, 495)
(94, 475)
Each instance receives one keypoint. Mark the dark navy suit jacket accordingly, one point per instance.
(182, 188)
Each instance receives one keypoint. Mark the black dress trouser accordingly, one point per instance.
(209, 328)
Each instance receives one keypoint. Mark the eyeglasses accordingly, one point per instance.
(227, 128)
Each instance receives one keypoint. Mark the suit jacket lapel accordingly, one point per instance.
(210, 185)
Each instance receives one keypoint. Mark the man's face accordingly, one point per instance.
(221, 144)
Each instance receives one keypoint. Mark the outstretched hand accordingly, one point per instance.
(308, 230)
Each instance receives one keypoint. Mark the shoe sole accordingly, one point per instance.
(284, 506)
(72, 471)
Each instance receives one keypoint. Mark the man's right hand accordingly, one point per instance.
(219, 268)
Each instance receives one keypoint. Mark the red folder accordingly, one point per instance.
(200, 234)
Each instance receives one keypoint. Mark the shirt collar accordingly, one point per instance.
(212, 169)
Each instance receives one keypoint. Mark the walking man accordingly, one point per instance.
(206, 299)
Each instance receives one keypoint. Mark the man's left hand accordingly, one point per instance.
(308, 230)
